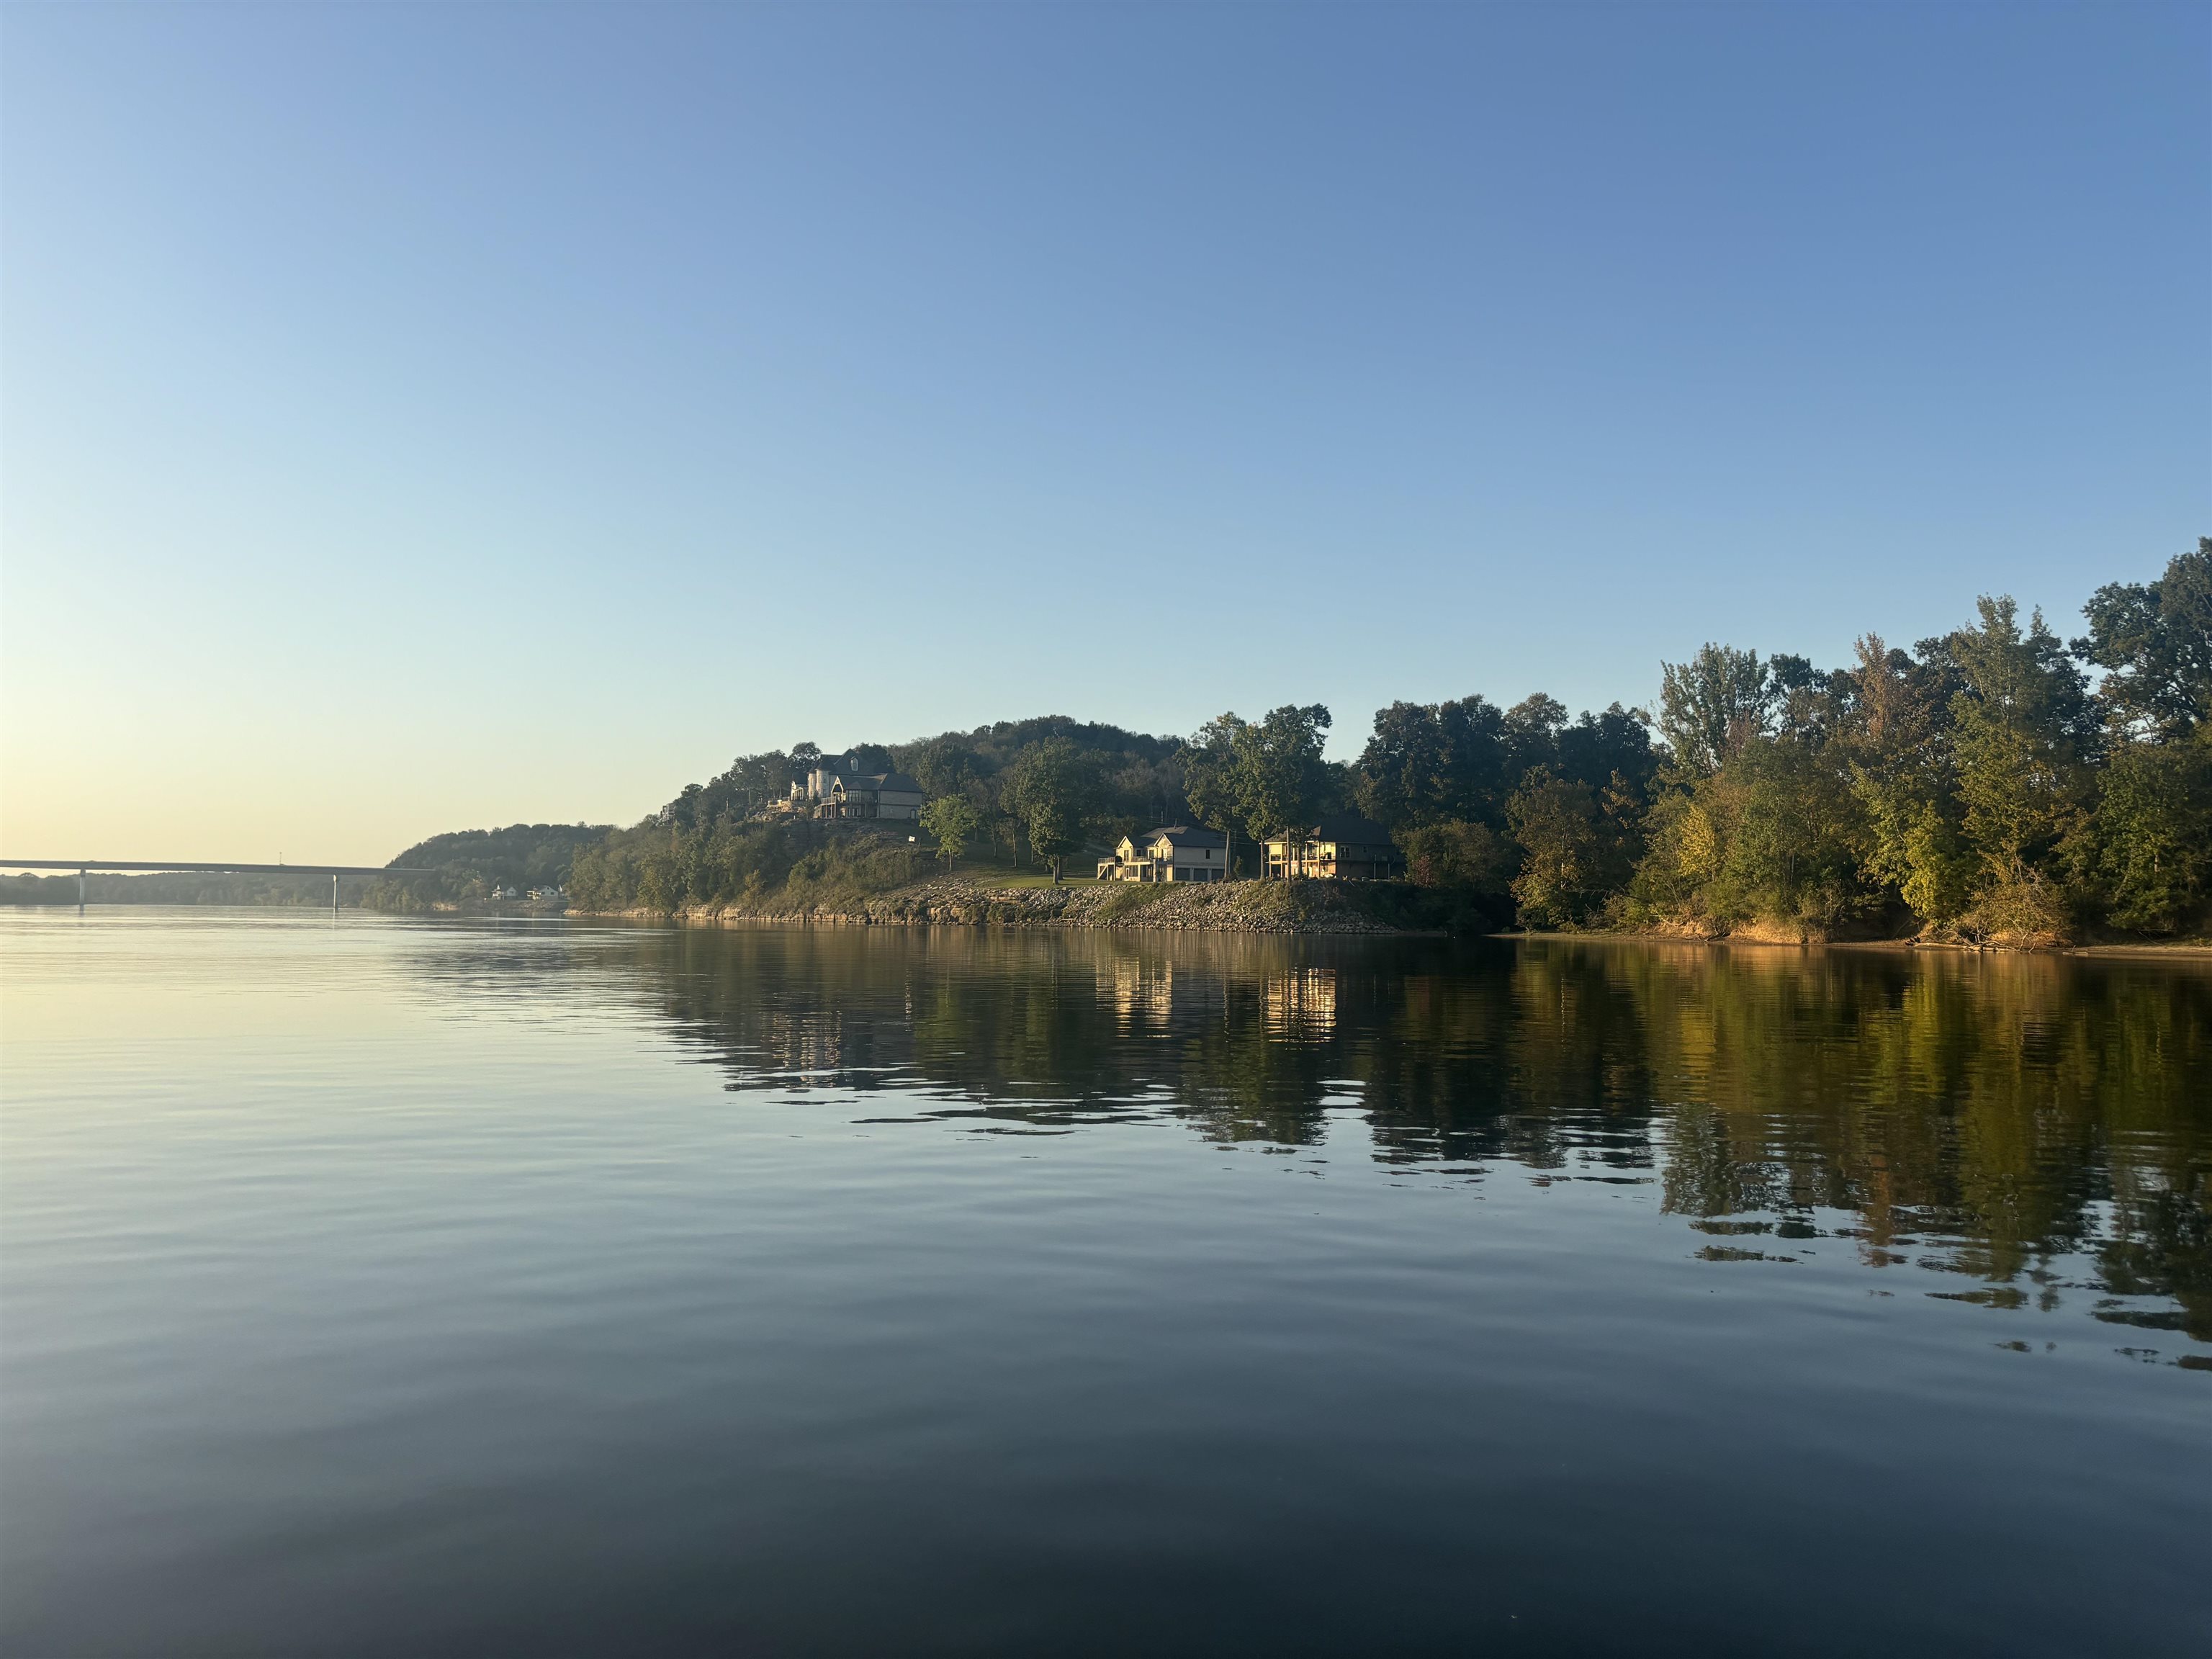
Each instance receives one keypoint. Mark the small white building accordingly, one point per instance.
(1176, 851)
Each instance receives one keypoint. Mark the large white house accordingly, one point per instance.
(1175, 852)
(838, 789)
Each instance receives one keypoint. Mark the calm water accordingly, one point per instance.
(380, 1287)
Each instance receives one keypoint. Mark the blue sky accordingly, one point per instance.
(421, 418)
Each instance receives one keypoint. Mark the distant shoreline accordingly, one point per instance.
(1310, 908)
(2166, 950)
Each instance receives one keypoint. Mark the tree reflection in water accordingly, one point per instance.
(1984, 1115)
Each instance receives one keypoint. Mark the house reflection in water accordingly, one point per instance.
(1151, 998)
(804, 1047)
(1141, 991)
(1301, 1004)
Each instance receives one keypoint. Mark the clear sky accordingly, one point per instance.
(425, 418)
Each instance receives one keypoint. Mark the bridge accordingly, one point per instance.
(187, 867)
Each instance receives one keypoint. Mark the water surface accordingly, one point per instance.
(372, 1286)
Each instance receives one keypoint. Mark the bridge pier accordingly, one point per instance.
(334, 892)
(80, 892)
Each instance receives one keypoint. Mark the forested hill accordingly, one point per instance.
(1138, 772)
(1997, 781)
(470, 864)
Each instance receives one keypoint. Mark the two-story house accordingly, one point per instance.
(1175, 852)
(1343, 847)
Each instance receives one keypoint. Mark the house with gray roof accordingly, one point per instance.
(1342, 846)
(838, 789)
(1174, 851)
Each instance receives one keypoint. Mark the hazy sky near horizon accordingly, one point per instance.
(425, 418)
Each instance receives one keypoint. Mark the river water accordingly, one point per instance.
(376, 1286)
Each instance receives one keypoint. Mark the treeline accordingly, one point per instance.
(1980, 785)
(467, 866)
(1977, 785)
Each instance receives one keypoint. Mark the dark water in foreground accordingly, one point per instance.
(377, 1287)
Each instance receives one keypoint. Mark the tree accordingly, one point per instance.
(1790, 851)
(1711, 705)
(1053, 788)
(1209, 772)
(1598, 747)
(1278, 775)
(2020, 720)
(1403, 767)
(1266, 776)
(1529, 733)
(2154, 641)
(942, 766)
(2153, 836)
(949, 821)
(1894, 742)
(1555, 819)
(1454, 854)
(1427, 763)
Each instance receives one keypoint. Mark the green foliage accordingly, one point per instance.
(2154, 641)
(1435, 763)
(1959, 780)
(2018, 722)
(469, 864)
(1790, 839)
(1261, 776)
(1054, 788)
(1914, 844)
(2151, 850)
(1712, 705)
(1279, 777)
(666, 868)
(1209, 773)
(1892, 742)
(1457, 783)
(1471, 858)
(1577, 848)
(950, 821)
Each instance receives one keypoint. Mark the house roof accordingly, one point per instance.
(1346, 829)
(898, 783)
(1184, 835)
(1352, 829)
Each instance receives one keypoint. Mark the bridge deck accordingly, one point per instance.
(185, 866)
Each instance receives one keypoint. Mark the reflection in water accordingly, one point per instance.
(381, 1286)
(1981, 1116)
